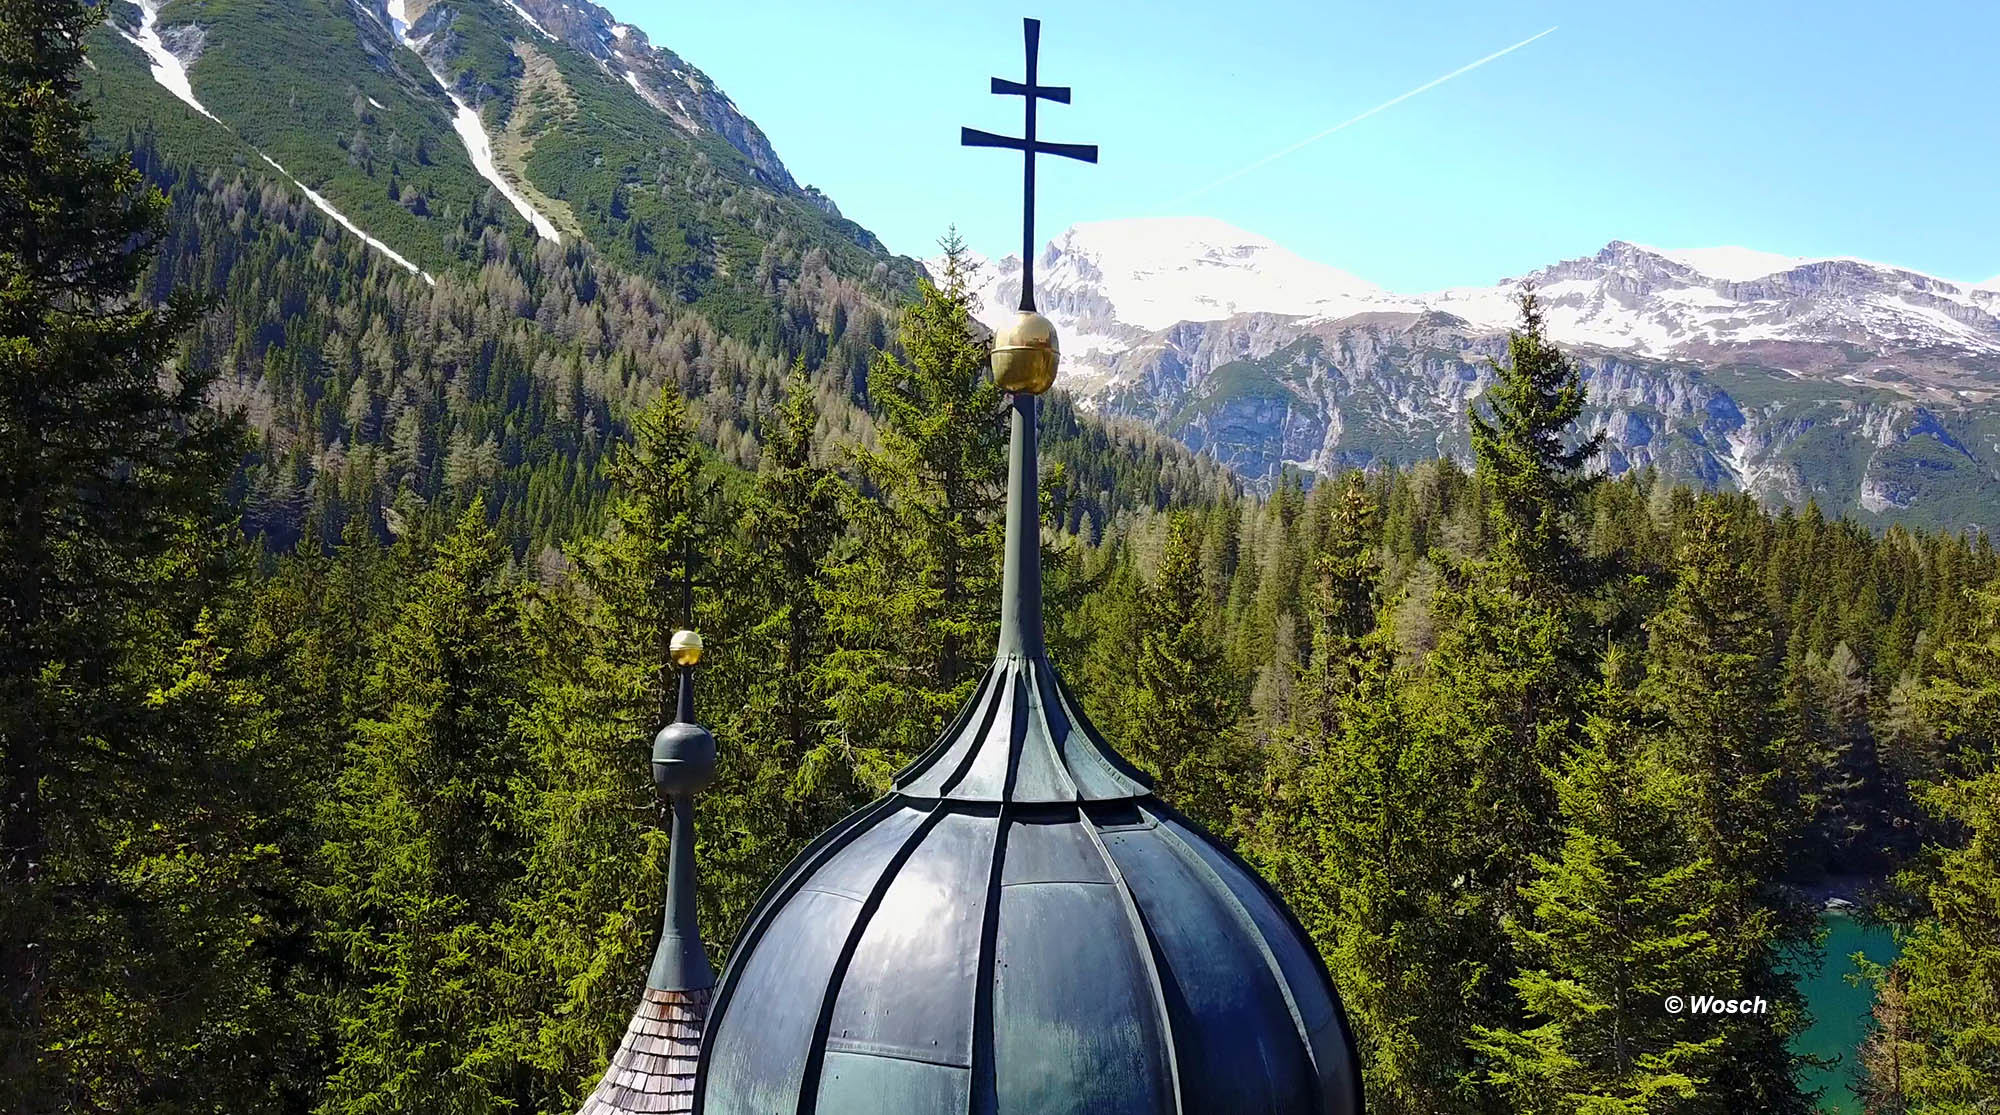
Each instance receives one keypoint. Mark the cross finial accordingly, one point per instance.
(1029, 146)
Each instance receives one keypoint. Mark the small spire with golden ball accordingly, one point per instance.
(1025, 354)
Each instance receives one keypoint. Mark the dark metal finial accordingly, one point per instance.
(683, 763)
(1029, 146)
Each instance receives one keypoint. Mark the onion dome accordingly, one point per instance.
(1021, 927)
(653, 1069)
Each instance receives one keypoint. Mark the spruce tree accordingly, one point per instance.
(1936, 1045)
(1507, 684)
(106, 462)
(425, 845)
(913, 604)
(783, 778)
(1538, 480)
(1618, 922)
(1714, 683)
(1185, 695)
(586, 918)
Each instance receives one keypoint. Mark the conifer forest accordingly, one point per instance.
(334, 609)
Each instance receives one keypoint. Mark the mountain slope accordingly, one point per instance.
(429, 124)
(1865, 387)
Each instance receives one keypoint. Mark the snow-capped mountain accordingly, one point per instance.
(1111, 284)
(1864, 386)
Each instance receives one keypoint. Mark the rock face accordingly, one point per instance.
(1868, 388)
(1262, 393)
(662, 77)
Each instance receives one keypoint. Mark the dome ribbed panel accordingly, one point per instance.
(925, 933)
(1078, 1026)
(758, 1063)
(943, 957)
(1287, 948)
(1235, 1038)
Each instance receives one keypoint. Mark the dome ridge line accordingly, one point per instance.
(1244, 921)
(951, 733)
(982, 1082)
(1149, 953)
(1038, 707)
(815, 1063)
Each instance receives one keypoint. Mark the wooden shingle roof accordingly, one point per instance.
(653, 1070)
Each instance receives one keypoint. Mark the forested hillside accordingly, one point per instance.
(336, 610)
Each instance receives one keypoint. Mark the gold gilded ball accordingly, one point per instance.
(685, 648)
(1025, 355)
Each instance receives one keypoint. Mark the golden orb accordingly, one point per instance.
(1025, 355)
(685, 649)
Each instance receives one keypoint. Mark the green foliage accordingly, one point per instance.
(126, 819)
(1182, 712)
(1936, 1045)
(344, 827)
(1619, 920)
(916, 601)
(422, 847)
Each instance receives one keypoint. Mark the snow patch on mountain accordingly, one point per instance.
(523, 13)
(167, 69)
(1159, 271)
(1116, 289)
(1734, 264)
(327, 207)
(471, 130)
(473, 133)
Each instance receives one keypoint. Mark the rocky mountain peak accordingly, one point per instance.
(664, 79)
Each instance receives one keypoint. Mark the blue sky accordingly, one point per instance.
(1824, 128)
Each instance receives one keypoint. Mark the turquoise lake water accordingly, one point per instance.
(1840, 1012)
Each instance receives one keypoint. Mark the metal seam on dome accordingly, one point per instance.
(1038, 707)
(1073, 709)
(1193, 858)
(1148, 953)
(951, 733)
(808, 1101)
(1078, 747)
(809, 860)
(1004, 697)
(982, 1082)
(982, 972)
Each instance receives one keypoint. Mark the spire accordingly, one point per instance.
(1024, 364)
(653, 1069)
(683, 763)
(1022, 738)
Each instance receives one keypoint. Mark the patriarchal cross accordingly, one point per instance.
(1029, 146)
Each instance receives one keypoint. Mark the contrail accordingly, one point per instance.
(1352, 120)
